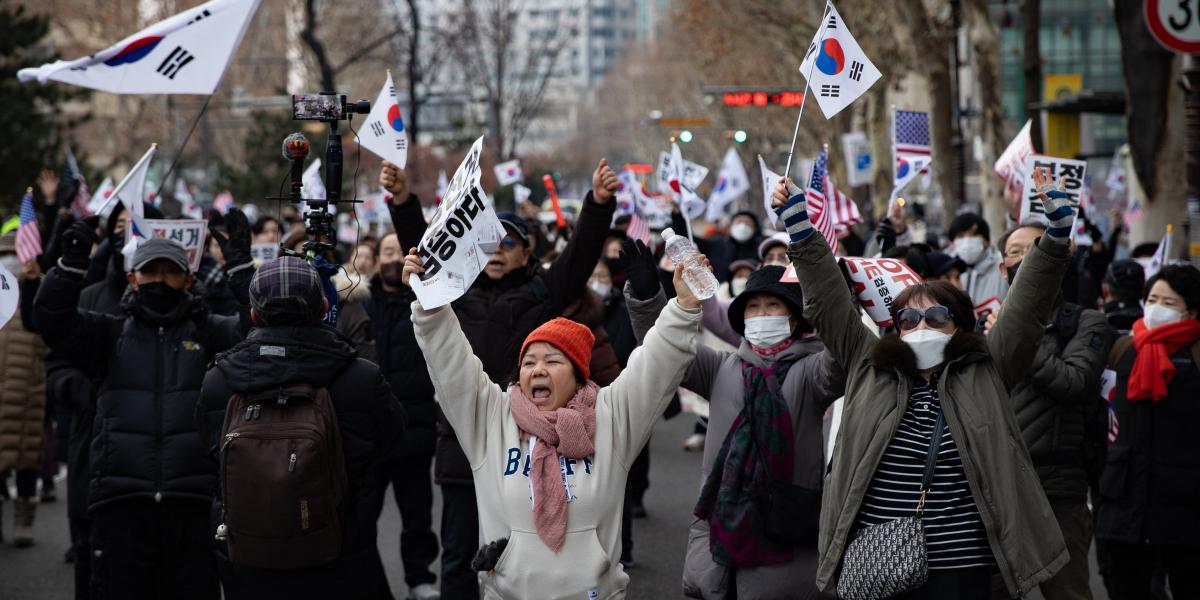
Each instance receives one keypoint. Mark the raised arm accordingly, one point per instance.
(644, 388)
(82, 338)
(568, 274)
(462, 389)
(716, 320)
(405, 208)
(1022, 318)
(827, 302)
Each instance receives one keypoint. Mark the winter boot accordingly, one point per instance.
(23, 511)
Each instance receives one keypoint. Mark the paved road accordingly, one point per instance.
(38, 573)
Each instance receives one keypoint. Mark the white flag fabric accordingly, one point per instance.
(521, 193)
(312, 186)
(185, 54)
(131, 192)
(907, 169)
(99, 204)
(836, 68)
(188, 206)
(769, 180)
(690, 204)
(693, 173)
(509, 172)
(441, 187)
(732, 182)
(1160, 255)
(383, 133)
(1011, 165)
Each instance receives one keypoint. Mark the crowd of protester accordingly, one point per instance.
(176, 398)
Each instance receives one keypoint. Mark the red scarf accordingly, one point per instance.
(1152, 368)
(569, 431)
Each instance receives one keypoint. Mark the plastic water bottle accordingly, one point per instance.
(697, 276)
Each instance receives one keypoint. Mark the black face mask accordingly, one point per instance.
(159, 297)
(1012, 273)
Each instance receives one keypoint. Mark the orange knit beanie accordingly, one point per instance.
(573, 339)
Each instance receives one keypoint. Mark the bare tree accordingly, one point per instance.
(514, 75)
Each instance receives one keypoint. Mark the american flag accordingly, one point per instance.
(638, 229)
(912, 133)
(819, 208)
(29, 239)
(845, 209)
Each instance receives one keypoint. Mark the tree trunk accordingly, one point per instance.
(941, 116)
(1167, 203)
(414, 71)
(878, 125)
(985, 52)
(1031, 13)
(309, 36)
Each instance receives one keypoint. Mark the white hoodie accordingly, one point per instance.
(587, 567)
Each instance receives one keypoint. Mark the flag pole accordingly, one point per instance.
(178, 155)
(787, 169)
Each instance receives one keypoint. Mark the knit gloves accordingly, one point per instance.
(794, 213)
(1059, 212)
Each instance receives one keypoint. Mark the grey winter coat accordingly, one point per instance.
(810, 385)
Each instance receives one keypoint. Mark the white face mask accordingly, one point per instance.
(12, 263)
(765, 332)
(736, 285)
(1157, 315)
(741, 231)
(929, 345)
(602, 289)
(969, 249)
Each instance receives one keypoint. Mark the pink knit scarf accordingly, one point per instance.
(568, 431)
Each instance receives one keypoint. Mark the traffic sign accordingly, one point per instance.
(1175, 24)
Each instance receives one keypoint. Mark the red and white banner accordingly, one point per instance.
(876, 282)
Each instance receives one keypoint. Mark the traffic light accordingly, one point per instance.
(740, 136)
(685, 136)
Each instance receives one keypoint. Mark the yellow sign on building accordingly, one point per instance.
(1062, 129)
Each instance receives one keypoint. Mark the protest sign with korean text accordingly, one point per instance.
(462, 233)
(261, 253)
(189, 233)
(9, 295)
(1070, 172)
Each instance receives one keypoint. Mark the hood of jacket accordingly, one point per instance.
(286, 355)
(891, 353)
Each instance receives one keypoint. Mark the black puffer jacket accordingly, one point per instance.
(150, 367)
(1055, 400)
(74, 392)
(370, 420)
(498, 315)
(1150, 489)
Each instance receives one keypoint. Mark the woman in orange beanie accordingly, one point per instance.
(550, 455)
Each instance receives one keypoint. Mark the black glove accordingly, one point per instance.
(236, 245)
(77, 242)
(640, 268)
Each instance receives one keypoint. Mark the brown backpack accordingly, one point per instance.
(283, 478)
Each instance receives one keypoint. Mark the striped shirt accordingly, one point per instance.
(954, 533)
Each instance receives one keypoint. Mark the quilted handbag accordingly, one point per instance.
(889, 558)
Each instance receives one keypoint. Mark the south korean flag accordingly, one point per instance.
(383, 133)
(837, 69)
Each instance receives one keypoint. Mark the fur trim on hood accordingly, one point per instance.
(890, 352)
(347, 290)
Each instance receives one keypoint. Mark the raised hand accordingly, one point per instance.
(48, 183)
(412, 264)
(605, 183)
(791, 206)
(1058, 206)
(683, 293)
(395, 181)
(77, 242)
(896, 217)
(235, 246)
(640, 268)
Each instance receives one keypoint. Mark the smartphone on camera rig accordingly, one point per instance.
(330, 108)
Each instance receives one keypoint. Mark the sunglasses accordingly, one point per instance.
(935, 316)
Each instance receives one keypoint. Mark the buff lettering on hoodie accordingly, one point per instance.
(516, 460)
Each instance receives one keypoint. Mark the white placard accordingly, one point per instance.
(10, 295)
(1070, 172)
(189, 233)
